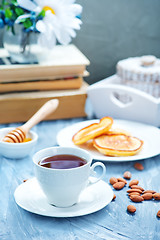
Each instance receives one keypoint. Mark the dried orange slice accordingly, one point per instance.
(92, 131)
(118, 145)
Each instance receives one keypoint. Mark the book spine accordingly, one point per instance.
(20, 109)
(13, 73)
(68, 83)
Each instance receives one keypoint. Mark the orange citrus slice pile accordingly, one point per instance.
(92, 131)
(117, 145)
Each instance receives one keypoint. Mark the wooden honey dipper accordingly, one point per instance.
(18, 134)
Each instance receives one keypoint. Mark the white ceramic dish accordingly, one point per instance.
(149, 134)
(16, 150)
(30, 197)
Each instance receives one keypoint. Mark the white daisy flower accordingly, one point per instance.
(60, 21)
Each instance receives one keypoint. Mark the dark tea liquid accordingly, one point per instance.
(62, 162)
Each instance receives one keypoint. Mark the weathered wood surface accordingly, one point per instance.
(112, 222)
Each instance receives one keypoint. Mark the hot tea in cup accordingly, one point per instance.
(64, 161)
(64, 172)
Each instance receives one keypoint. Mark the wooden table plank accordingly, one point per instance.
(112, 222)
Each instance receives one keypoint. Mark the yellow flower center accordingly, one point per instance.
(46, 8)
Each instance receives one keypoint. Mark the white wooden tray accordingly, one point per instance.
(109, 98)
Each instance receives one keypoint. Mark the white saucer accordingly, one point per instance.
(30, 197)
(149, 134)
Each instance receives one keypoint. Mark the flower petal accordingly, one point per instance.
(46, 42)
(72, 32)
(64, 37)
(18, 20)
(41, 27)
(76, 24)
(76, 9)
(29, 5)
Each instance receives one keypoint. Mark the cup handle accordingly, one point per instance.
(94, 174)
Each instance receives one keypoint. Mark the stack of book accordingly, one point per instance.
(25, 87)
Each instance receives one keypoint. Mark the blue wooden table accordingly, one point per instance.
(112, 222)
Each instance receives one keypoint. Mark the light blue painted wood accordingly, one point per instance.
(112, 222)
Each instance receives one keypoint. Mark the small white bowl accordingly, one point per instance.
(16, 150)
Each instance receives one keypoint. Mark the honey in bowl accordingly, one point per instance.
(27, 139)
(62, 161)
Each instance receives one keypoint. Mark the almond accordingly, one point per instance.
(138, 166)
(25, 180)
(149, 191)
(134, 190)
(147, 196)
(122, 180)
(136, 198)
(137, 187)
(156, 196)
(134, 193)
(113, 180)
(158, 214)
(127, 175)
(133, 182)
(131, 208)
(118, 185)
(114, 197)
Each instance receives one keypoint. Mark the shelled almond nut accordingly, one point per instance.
(134, 193)
(133, 182)
(147, 196)
(158, 214)
(149, 191)
(122, 180)
(131, 208)
(136, 198)
(137, 187)
(134, 190)
(127, 175)
(156, 196)
(114, 197)
(113, 180)
(25, 180)
(138, 166)
(118, 185)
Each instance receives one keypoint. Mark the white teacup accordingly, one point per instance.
(63, 187)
